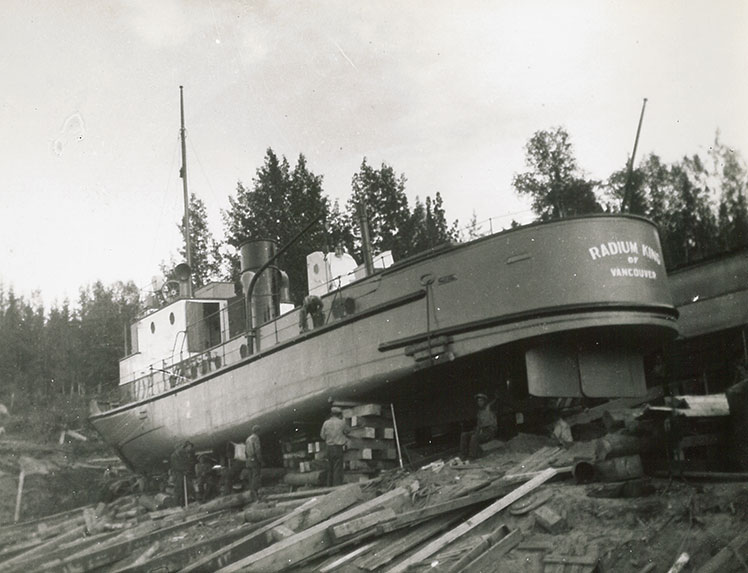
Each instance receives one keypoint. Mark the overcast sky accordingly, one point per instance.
(448, 93)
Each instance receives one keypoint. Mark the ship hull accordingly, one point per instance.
(535, 285)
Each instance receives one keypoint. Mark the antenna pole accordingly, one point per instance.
(627, 188)
(183, 175)
(365, 239)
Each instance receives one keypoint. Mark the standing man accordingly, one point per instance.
(334, 432)
(485, 430)
(182, 463)
(254, 462)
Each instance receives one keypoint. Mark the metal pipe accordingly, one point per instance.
(627, 188)
(253, 281)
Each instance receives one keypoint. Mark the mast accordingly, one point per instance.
(627, 188)
(183, 175)
(365, 239)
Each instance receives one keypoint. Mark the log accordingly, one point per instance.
(476, 520)
(305, 478)
(291, 551)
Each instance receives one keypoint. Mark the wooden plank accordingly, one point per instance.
(246, 545)
(38, 554)
(360, 444)
(371, 422)
(596, 412)
(367, 410)
(388, 549)
(288, 552)
(485, 542)
(363, 432)
(111, 553)
(351, 527)
(345, 558)
(326, 507)
(476, 520)
(488, 559)
(300, 493)
(586, 560)
(281, 532)
(728, 555)
(180, 558)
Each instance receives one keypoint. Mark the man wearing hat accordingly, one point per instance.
(334, 432)
(254, 462)
(485, 429)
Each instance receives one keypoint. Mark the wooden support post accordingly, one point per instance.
(19, 495)
(397, 436)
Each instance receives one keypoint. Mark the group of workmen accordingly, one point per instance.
(188, 469)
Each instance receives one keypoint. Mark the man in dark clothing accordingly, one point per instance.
(485, 430)
(204, 479)
(334, 432)
(254, 462)
(182, 463)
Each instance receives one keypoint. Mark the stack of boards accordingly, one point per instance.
(371, 447)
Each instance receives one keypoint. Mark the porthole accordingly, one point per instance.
(171, 318)
(153, 327)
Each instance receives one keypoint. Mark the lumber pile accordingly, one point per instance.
(401, 526)
(371, 447)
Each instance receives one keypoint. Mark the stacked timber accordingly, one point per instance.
(371, 445)
(396, 528)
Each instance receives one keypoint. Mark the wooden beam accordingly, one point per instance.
(389, 548)
(288, 552)
(178, 559)
(733, 551)
(487, 560)
(356, 525)
(345, 558)
(596, 412)
(117, 548)
(312, 512)
(474, 521)
(246, 545)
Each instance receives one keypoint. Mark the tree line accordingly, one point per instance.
(698, 203)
